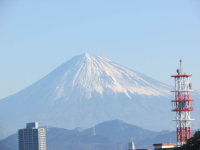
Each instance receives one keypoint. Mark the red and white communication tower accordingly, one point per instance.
(182, 105)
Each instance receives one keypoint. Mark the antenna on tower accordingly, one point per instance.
(180, 67)
(47, 127)
(94, 133)
(190, 86)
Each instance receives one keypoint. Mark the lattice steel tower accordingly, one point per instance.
(182, 105)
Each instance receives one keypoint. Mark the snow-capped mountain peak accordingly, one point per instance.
(96, 74)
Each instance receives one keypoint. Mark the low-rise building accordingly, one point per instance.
(165, 146)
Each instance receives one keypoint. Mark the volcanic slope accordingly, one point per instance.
(87, 90)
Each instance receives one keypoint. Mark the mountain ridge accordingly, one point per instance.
(113, 134)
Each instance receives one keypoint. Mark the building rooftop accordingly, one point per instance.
(32, 125)
(161, 146)
(165, 144)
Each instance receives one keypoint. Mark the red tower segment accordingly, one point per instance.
(181, 105)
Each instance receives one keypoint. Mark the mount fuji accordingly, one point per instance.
(87, 90)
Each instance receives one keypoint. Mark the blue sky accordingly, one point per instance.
(150, 37)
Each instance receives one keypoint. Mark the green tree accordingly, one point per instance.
(192, 144)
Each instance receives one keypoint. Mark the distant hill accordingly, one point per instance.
(109, 135)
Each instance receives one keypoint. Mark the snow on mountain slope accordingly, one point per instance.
(90, 74)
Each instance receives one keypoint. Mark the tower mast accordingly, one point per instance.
(182, 105)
